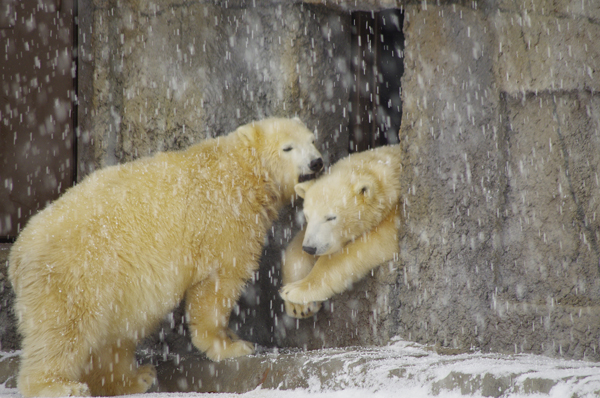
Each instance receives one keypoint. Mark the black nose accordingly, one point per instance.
(316, 164)
(309, 249)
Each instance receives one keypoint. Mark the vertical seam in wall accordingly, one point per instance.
(116, 104)
(503, 183)
(85, 77)
(522, 14)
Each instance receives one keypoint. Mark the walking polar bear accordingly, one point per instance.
(353, 217)
(98, 269)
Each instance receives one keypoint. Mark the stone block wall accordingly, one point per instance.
(162, 75)
(501, 133)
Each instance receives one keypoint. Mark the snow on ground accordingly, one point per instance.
(351, 393)
(405, 369)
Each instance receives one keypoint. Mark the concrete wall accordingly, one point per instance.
(162, 75)
(501, 133)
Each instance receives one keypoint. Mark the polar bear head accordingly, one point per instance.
(286, 148)
(353, 198)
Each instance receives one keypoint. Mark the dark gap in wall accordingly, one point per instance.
(377, 66)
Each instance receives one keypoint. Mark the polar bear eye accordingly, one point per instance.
(330, 218)
(288, 148)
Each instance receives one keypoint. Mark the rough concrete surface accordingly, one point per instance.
(537, 52)
(501, 248)
(563, 9)
(166, 75)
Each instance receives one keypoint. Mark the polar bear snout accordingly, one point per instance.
(319, 242)
(310, 249)
(316, 164)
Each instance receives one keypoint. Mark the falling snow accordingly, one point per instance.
(501, 130)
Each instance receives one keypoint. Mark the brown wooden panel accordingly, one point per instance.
(36, 108)
(7, 14)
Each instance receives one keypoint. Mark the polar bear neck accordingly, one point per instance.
(236, 173)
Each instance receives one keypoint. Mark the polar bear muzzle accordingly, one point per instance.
(315, 166)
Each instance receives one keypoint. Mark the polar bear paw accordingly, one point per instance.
(146, 377)
(301, 311)
(299, 293)
(232, 349)
(59, 389)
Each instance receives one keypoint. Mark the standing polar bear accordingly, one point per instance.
(353, 217)
(99, 268)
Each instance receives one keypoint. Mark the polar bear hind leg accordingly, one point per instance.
(113, 370)
(52, 370)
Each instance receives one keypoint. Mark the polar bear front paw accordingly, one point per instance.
(301, 311)
(299, 293)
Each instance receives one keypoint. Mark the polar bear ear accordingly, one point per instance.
(363, 188)
(247, 133)
(303, 187)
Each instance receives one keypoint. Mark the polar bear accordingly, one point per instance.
(353, 218)
(100, 267)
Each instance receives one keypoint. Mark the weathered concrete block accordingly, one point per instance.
(545, 53)
(398, 368)
(500, 250)
(452, 181)
(550, 232)
(589, 9)
(167, 75)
